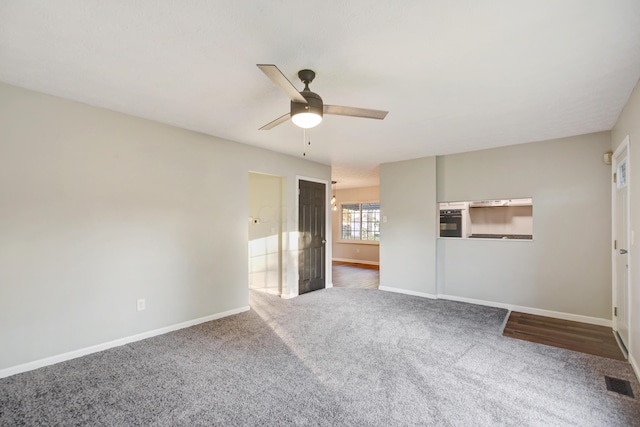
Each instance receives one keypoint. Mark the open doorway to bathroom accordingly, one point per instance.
(265, 233)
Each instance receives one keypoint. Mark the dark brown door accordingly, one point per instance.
(312, 240)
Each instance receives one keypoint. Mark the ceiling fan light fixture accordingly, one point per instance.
(309, 114)
(306, 120)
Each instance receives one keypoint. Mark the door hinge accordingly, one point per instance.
(615, 244)
(615, 177)
(615, 311)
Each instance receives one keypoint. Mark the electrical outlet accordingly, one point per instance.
(141, 304)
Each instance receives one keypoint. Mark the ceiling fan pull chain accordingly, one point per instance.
(304, 142)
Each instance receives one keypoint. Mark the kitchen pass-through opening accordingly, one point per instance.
(504, 219)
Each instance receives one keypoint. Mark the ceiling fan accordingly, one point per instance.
(307, 108)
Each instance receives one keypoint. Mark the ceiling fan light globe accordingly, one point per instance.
(306, 120)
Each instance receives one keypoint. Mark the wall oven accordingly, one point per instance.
(451, 223)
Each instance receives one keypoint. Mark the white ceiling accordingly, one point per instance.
(454, 75)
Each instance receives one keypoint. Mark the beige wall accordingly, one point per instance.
(567, 267)
(408, 238)
(265, 232)
(99, 209)
(361, 252)
(629, 124)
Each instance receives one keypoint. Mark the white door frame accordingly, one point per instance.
(621, 147)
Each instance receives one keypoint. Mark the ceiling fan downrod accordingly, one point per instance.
(306, 76)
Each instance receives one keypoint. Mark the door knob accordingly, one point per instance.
(324, 241)
(623, 251)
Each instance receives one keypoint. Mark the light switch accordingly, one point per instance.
(384, 218)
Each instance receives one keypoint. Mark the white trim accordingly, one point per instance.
(356, 261)
(532, 310)
(510, 307)
(504, 322)
(624, 145)
(634, 365)
(407, 292)
(115, 343)
(624, 350)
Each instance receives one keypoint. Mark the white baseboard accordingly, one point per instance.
(511, 307)
(115, 343)
(406, 292)
(634, 365)
(356, 261)
(531, 310)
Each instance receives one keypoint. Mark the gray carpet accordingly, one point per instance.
(333, 357)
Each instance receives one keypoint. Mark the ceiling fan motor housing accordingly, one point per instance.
(314, 105)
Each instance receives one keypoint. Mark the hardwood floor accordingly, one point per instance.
(348, 275)
(582, 337)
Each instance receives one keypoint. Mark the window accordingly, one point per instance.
(621, 178)
(360, 221)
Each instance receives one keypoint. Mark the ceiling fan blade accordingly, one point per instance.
(276, 122)
(367, 113)
(282, 82)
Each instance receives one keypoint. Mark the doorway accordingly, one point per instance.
(356, 275)
(621, 243)
(312, 236)
(265, 233)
